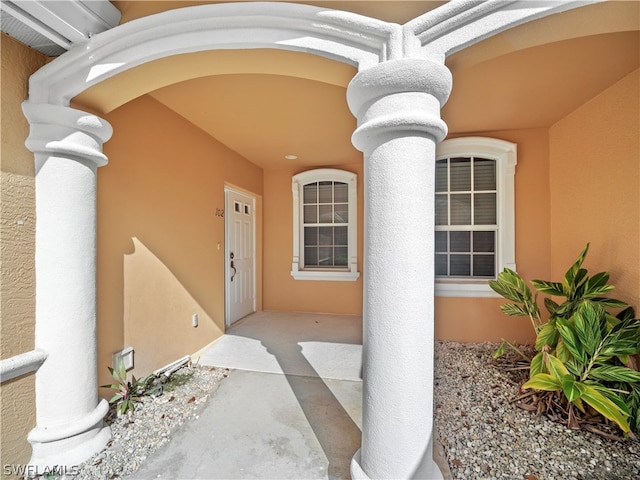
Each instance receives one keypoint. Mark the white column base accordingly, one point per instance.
(69, 445)
(428, 470)
(357, 473)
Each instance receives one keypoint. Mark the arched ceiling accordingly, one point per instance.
(265, 104)
(172, 71)
(271, 116)
(538, 86)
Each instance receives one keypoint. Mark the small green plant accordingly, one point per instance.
(128, 392)
(177, 380)
(153, 386)
(584, 352)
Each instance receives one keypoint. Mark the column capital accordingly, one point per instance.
(396, 98)
(66, 132)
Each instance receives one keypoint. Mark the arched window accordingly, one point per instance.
(475, 214)
(324, 225)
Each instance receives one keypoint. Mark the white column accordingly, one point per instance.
(397, 104)
(67, 144)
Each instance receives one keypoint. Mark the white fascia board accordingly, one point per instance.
(30, 24)
(75, 21)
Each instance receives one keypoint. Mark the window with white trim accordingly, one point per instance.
(324, 225)
(475, 214)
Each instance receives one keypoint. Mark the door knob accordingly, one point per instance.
(233, 267)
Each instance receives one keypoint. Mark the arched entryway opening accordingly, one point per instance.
(170, 48)
(396, 96)
(161, 205)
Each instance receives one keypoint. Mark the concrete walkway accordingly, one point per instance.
(290, 409)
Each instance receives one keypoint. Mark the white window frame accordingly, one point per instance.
(505, 155)
(298, 271)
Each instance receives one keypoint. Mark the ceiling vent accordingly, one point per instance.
(52, 27)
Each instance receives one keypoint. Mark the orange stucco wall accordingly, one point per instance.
(595, 187)
(480, 319)
(160, 242)
(462, 319)
(17, 243)
(281, 290)
(158, 237)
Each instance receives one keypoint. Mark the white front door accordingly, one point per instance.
(240, 255)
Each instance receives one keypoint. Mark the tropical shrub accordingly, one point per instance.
(585, 352)
(128, 392)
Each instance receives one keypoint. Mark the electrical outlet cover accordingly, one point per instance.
(124, 356)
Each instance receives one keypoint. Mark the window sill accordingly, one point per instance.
(343, 276)
(466, 289)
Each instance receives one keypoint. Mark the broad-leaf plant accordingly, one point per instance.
(128, 392)
(584, 352)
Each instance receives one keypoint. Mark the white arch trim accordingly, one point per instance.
(460, 24)
(343, 36)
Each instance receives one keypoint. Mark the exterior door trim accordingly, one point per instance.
(227, 270)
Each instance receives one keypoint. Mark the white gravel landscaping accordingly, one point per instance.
(483, 434)
(487, 437)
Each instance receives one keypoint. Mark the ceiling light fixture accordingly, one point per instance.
(291, 157)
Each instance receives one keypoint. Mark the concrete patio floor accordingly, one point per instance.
(291, 408)
(307, 344)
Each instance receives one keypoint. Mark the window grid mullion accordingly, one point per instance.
(473, 198)
(466, 228)
(473, 227)
(448, 191)
(318, 204)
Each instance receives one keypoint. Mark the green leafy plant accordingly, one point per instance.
(585, 352)
(128, 392)
(586, 370)
(153, 386)
(178, 379)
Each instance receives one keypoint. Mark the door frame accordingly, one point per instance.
(227, 270)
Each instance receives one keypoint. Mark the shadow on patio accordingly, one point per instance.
(291, 408)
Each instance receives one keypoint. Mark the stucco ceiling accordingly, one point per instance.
(531, 76)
